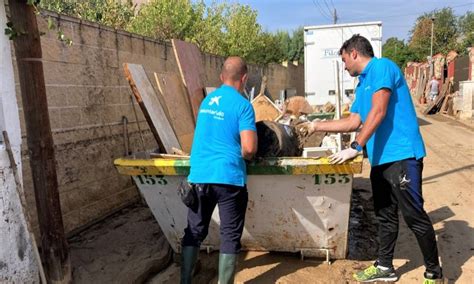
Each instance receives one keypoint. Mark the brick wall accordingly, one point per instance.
(88, 96)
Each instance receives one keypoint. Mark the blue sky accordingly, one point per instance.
(398, 16)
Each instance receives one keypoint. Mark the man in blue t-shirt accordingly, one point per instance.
(225, 136)
(395, 149)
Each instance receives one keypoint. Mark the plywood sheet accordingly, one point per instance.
(265, 109)
(151, 107)
(179, 107)
(191, 68)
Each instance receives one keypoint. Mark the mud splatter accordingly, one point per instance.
(363, 242)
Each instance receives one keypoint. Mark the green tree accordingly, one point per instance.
(284, 42)
(242, 32)
(466, 31)
(396, 50)
(208, 30)
(445, 33)
(165, 19)
(270, 49)
(219, 28)
(112, 13)
(296, 52)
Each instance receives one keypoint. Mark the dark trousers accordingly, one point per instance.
(396, 186)
(232, 202)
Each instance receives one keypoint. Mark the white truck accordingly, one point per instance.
(321, 47)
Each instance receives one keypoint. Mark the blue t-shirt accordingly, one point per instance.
(398, 136)
(216, 155)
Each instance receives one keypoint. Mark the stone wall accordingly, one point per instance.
(89, 98)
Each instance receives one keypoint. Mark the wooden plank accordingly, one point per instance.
(151, 107)
(422, 86)
(179, 108)
(40, 142)
(189, 59)
(435, 106)
(263, 86)
(445, 104)
(265, 109)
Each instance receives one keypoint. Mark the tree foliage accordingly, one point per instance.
(218, 28)
(165, 19)
(243, 35)
(296, 52)
(466, 31)
(445, 33)
(232, 29)
(112, 13)
(397, 51)
(209, 28)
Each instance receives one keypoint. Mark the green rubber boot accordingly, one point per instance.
(188, 260)
(227, 263)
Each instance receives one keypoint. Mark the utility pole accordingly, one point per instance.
(40, 141)
(335, 16)
(431, 50)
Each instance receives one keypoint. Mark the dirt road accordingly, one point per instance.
(447, 189)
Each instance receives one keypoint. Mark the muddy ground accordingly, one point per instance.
(130, 248)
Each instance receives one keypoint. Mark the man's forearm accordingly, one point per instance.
(342, 125)
(373, 121)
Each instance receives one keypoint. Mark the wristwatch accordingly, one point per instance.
(355, 145)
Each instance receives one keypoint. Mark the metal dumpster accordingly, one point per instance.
(295, 204)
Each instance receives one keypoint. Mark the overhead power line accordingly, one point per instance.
(410, 14)
(327, 6)
(321, 10)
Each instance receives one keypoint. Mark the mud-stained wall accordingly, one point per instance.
(89, 98)
(279, 76)
(17, 262)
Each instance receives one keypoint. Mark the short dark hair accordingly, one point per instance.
(359, 43)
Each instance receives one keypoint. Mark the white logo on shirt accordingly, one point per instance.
(215, 100)
(367, 88)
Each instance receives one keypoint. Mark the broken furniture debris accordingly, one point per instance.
(265, 108)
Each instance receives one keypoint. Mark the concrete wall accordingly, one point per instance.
(17, 264)
(279, 76)
(88, 96)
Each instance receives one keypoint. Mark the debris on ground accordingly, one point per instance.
(127, 247)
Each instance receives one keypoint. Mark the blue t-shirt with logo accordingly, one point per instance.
(398, 136)
(216, 155)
